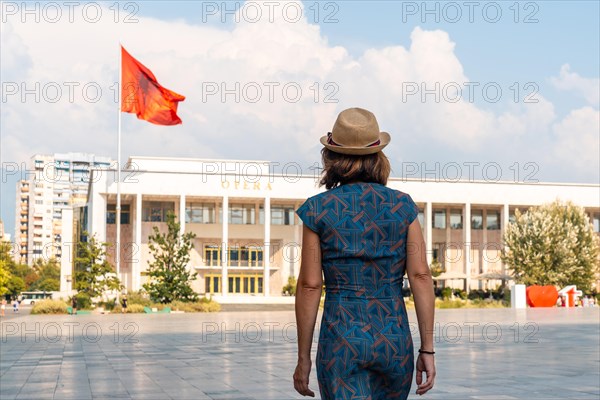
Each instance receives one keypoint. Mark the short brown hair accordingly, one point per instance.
(339, 169)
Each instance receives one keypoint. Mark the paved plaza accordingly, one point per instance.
(481, 354)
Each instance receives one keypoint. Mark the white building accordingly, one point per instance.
(4, 237)
(230, 253)
(55, 183)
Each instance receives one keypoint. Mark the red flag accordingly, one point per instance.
(143, 95)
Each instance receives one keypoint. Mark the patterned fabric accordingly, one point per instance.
(365, 347)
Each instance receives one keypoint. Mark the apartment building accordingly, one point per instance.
(54, 183)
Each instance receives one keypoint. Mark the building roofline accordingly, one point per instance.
(391, 179)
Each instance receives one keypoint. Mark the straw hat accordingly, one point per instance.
(356, 131)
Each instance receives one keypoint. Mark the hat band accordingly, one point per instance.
(331, 141)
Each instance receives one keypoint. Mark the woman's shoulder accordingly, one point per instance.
(391, 193)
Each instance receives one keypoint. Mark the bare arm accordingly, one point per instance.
(308, 296)
(421, 284)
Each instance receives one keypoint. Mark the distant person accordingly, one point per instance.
(124, 304)
(74, 304)
(15, 305)
(2, 307)
(362, 236)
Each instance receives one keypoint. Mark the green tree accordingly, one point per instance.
(553, 244)
(20, 271)
(15, 285)
(169, 278)
(94, 274)
(48, 275)
(6, 262)
(436, 268)
(5, 276)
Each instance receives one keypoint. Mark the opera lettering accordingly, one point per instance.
(237, 185)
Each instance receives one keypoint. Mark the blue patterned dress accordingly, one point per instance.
(365, 347)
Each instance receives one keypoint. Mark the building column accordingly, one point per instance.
(96, 221)
(444, 252)
(136, 264)
(428, 232)
(467, 245)
(504, 220)
(66, 261)
(267, 247)
(182, 214)
(483, 260)
(224, 246)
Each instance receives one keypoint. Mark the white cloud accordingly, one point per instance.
(578, 140)
(589, 88)
(185, 58)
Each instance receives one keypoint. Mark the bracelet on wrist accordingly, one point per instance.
(421, 351)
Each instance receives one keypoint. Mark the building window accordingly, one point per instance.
(237, 283)
(439, 219)
(596, 222)
(282, 215)
(492, 220)
(421, 217)
(212, 283)
(111, 213)
(242, 214)
(200, 213)
(476, 219)
(212, 255)
(237, 256)
(456, 219)
(156, 211)
(245, 256)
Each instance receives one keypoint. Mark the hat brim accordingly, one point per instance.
(384, 140)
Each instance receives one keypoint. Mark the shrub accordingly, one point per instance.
(210, 306)
(506, 297)
(446, 293)
(476, 294)
(290, 288)
(107, 305)
(177, 306)
(49, 306)
(447, 303)
(460, 293)
(486, 304)
(139, 298)
(131, 308)
(406, 292)
(203, 305)
(134, 308)
(83, 301)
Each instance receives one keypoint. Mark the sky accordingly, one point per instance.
(503, 90)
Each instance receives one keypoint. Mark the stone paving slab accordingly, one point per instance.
(487, 354)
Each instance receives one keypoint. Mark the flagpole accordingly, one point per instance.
(118, 208)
